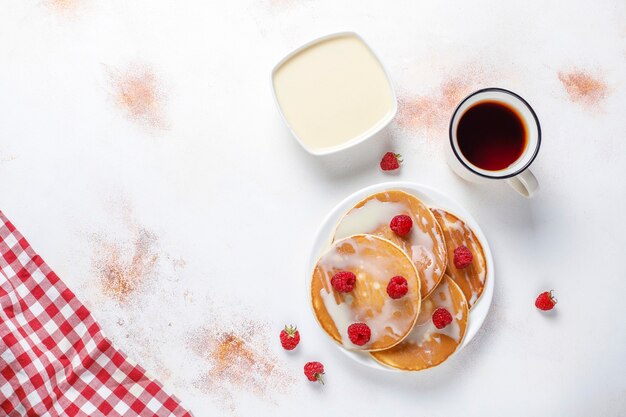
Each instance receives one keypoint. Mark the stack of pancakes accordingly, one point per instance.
(403, 335)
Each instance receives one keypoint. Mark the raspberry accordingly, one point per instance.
(359, 333)
(314, 371)
(343, 281)
(441, 318)
(289, 337)
(401, 224)
(391, 161)
(397, 287)
(462, 257)
(545, 301)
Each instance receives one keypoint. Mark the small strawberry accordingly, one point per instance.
(343, 281)
(463, 257)
(359, 333)
(314, 371)
(289, 337)
(545, 301)
(441, 318)
(397, 287)
(391, 161)
(401, 224)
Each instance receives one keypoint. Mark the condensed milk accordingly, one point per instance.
(333, 93)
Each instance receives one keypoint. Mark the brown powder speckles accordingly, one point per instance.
(453, 91)
(431, 113)
(583, 87)
(64, 6)
(6, 157)
(240, 360)
(120, 275)
(280, 3)
(138, 92)
(414, 113)
(177, 263)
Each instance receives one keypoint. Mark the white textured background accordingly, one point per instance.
(225, 188)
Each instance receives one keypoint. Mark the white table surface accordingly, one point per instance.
(231, 202)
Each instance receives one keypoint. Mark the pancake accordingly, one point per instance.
(374, 261)
(426, 346)
(424, 245)
(472, 278)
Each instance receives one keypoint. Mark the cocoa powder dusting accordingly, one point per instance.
(63, 6)
(138, 92)
(177, 263)
(583, 87)
(123, 272)
(431, 113)
(6, 157)
(454, 90)
(239, 359)
(416, 113)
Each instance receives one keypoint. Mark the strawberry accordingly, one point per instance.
(441, 318)
(391, 161)
(289, 337)
(314, 371)
(545, 301)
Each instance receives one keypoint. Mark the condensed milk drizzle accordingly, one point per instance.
(424, 240)
(390, 319)
(471, 279)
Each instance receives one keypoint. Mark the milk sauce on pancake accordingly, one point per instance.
(375, 214)
(374, 261)
(472, 278)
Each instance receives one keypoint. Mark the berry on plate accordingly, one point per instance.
(359, 333)
(401, 224)
(391, 161)
(545, 301)
(441, 318)
(462, 257)
(289, 337)
(397, 287)
(314, 371)
(343, 281)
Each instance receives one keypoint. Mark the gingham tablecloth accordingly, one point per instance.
(54, 359)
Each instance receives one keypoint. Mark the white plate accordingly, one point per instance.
(432, 198)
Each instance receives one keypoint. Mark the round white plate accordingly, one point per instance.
(432, 198)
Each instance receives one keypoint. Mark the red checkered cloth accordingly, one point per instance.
(54, 359)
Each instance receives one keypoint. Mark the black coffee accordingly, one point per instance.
(491, 135)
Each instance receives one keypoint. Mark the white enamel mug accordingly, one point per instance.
(517, 175)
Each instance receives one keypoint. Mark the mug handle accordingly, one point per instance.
(524, 183)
